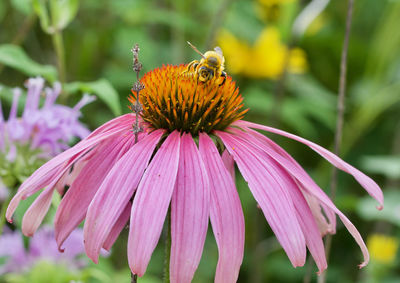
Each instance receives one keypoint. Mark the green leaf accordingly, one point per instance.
(386, 165)
(39, 6)
(316, 101)
(22, 6)
(63, 12)
(3, 10)
(390, 213)
(15, 57)
(365, 116)
(57, 15)
(101, 88)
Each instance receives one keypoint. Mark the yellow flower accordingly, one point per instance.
(274, 2)
(270, 10)
(382, 248)
(265, 59)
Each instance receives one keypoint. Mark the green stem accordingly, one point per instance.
(59, 48)
(339, 121)
(3, 214)
(167, 247)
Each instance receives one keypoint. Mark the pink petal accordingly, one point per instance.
(189, 212)
(229, 163)
(306, 219)
(37, 211)
(151, 202)
(324, 226)
(271, 195)
(34, 216)
(309, 226)
(369, 185)
(115, 192)
(118, 226)
(226, 213)
(45, 174)
(272, 148)
(70, 176)
(74, 204)
(311, 188)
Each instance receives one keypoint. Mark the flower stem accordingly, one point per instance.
(167, 247)
(216, 22)
(339, 119)
(59, 48)
(133, 278)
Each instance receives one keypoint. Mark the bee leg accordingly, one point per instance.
(191, 67)
(223, 74)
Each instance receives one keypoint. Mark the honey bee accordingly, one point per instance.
(211, 65)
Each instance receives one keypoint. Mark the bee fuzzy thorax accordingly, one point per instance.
(209, 67)
(173, 101)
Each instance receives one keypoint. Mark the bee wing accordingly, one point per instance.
(218, 50)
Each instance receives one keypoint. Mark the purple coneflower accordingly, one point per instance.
(184, 159)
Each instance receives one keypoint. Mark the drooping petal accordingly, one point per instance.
(34, 216)
(189, 212)
(313, 189)
(226, 213)
(270, 194)
(118, 226)
(306, 219)
(309, 227)
(369, 185)
(151, 202)
(115, 192)
(45, 174)
(272, 148)
(74, 204)
(37, 211)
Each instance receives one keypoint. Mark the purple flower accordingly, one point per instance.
(48, 128)
(41, 247)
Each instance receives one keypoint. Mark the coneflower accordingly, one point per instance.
(193, 133)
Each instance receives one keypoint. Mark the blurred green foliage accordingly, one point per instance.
(87, 45)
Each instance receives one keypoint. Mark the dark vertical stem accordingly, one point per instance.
(167, 248)
(339, 119)
(308, 275)
(178, 32)
(133, 278)
(341, 98)
(216, 23)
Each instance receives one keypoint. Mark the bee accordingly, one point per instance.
(211, 65)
